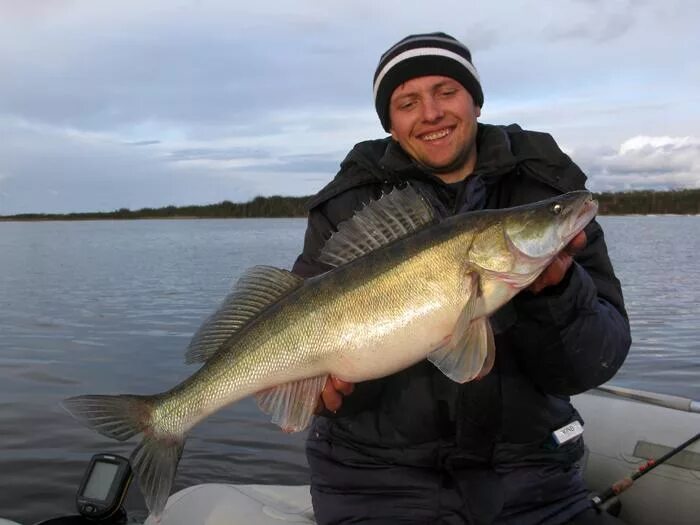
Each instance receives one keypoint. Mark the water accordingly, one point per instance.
(90, 307)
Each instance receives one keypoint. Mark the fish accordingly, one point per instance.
(403, 286)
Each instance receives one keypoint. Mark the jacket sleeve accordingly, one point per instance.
(322, 222)
(576, 335)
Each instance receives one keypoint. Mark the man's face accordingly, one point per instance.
(433, 118)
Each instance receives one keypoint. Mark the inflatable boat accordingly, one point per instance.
(624, 429)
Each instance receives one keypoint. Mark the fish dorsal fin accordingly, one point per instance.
(391, 217)
(470, 352)
(258, 288)
(292, 405)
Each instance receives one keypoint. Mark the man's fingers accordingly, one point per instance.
(553, 274)
(331, 397)
(325, 393)
(557, 269)
(341, 386)
(577, 244)
(332, 400)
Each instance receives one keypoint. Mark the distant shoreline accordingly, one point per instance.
(644, 202)
(189, 218)
(60, 218)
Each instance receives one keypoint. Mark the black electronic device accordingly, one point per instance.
(103, 487)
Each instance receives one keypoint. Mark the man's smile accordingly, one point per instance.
(435, 135)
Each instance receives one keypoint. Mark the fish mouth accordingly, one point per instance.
(586, 212)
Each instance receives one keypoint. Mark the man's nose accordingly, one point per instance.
(432, 109)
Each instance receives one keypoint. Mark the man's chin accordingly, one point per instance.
(445, 167)
(456, 163)
(443, 170)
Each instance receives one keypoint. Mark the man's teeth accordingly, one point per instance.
(436, 135)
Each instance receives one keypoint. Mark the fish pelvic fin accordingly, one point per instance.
(258, 288)
(470, 352)
(118, 417)
(393, 216)
(155, 461)
(292, 405)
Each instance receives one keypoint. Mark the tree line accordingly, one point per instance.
(646, 202)
(275, 206)
(684, 202)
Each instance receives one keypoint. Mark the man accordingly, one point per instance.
(416, 447)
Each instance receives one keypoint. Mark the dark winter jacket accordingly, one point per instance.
(563, 341)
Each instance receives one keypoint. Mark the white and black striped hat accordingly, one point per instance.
(421, 55)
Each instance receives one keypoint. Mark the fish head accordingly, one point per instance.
(541, 230)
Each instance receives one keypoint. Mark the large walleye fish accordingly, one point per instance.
(404, 287)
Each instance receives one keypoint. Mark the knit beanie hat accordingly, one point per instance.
(421, 55)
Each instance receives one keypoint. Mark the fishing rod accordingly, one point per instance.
(622, 485)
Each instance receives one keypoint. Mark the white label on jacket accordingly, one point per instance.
(567, 432)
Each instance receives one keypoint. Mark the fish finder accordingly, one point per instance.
(103, 487)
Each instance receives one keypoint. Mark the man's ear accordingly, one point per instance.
(478, 111)
(393, 134)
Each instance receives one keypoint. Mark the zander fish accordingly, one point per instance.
(404, 287)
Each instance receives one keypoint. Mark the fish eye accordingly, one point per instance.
(556, 209)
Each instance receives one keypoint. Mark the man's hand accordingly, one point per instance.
(332, 395)
(555, 272)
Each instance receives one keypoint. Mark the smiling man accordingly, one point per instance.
(416, 447)
(433, 118)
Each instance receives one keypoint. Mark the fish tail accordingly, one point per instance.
(155, 461)
(120, 417)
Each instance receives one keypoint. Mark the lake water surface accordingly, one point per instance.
(105, 307)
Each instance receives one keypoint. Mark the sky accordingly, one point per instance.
(129, 104)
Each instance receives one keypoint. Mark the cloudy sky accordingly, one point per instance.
(109, 104)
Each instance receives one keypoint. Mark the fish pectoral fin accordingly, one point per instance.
(481, 336)
(258, 288)
(469, 356)
(292, 405)
(391, 217)
(469, 353)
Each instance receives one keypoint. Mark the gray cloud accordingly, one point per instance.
(111, 104)
(143, 143)
(645, 162)
(186, 154)
(599, 22)
(324, 164)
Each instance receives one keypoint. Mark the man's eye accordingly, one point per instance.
(407, 105)
(448, 92)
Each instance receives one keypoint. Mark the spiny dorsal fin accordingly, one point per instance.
(393, 216)
(258, 288)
